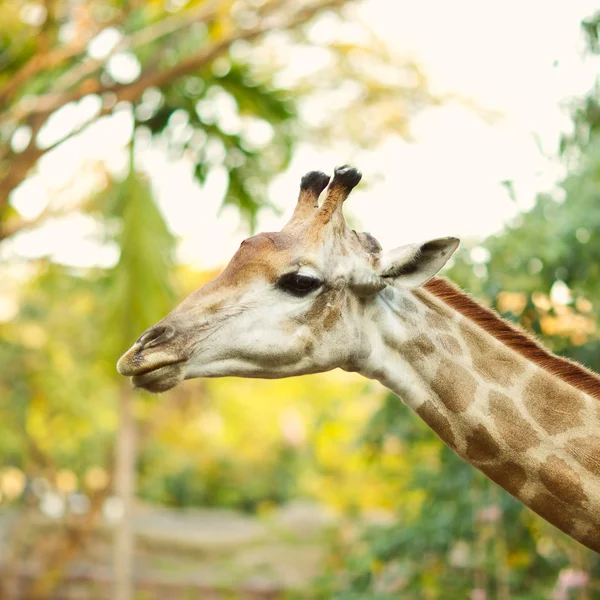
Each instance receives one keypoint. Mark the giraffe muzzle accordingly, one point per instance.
(154, 362)
(155, 372)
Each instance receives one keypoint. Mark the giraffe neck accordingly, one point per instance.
(526, 428)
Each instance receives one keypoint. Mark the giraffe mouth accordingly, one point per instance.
(157, 373)
(160, 378)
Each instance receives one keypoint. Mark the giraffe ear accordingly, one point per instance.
(415, 264)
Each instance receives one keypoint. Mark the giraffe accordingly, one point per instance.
(317, 296)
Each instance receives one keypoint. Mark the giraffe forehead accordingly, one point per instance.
(298, 246)
(263, 256)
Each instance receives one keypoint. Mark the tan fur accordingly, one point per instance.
(515, 431)
(438, 422)
(495, 365)
(516, 339)
(556, 406)
(436, 321)
(455, 386)
(419, 347)
(586, 450)
(481, 446)
(515, 443)
(560, 480)
(559, 513)
(450, 344)
(508, 474)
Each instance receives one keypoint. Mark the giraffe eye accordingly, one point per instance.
(299, 285)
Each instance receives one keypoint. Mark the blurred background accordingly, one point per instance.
(140, 142)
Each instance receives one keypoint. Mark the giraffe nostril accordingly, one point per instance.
(155, 335)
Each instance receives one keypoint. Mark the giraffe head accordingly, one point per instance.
(288, 303)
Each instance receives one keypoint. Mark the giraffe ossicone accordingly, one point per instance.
(317, 296)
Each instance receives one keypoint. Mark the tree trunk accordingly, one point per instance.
(125, 471)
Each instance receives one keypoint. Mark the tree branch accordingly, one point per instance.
(199, 14)
(14, 226)
(48, 60)
(49, 103)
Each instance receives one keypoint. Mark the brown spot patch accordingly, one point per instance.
(325, 309)
(437, 421)
(455, 386)
(509, 475)
(493, 361)
(555, 511)
(511, 426)
(553, 404)
(437, 321)
(331, 317)
(561, 481)
(513, 337)
(475, 341)
(418, 347)
(592, 538)
(481, 446)
(586, 450)
(407, 305)
(450, 344)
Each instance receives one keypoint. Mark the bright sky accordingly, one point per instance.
(522, 60)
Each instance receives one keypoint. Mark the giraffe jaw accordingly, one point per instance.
(160, 379)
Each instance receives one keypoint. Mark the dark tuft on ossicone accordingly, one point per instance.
(315, 181)
(346, 176)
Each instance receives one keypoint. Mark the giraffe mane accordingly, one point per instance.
(514, 337)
